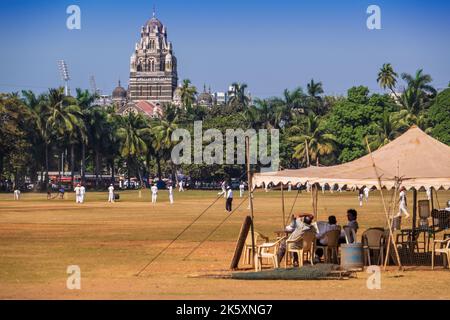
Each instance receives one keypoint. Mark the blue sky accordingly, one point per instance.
(270, 45)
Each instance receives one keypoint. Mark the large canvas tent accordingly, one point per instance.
(414, 160)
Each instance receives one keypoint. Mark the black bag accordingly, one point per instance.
(116, 196)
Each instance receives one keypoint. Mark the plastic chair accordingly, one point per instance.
(373, 239)
(305, 246)
(267, 250)
(444, 249)
(332, 246)
(248, 247)
(350, 234)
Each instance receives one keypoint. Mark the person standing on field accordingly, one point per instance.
(241, 189)
(229, 196)
(366, 193)
(361, 196)
(154, 190)
(170, 194)
(402, 204)
(111, 193)
(17, 194)
(180, 184)
(82, 193)
(77, 193)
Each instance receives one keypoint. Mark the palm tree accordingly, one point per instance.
(387, 78)
(314, 141)
(66, 121)
(162, 141)
(390, 126)
(238, 98)
(314, 102)
(188, 93)
(314, 89)
(133, 128)
(419, 93)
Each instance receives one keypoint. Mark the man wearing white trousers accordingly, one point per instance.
(154, 190)
(82, 193)
(77, 194)
(241, 189)
(17, 194)
(111, 193)
(402, 206)
(170, 194)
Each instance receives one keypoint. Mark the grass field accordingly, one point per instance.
(40, 238)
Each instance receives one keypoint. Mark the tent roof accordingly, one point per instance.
(416, 158)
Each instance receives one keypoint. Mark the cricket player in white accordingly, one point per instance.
(224, 189)
(180, 184)
(154, 190)
(170, 194)
(402, 206)
(82, 193)
(289, 187)
(241, 189)
(17, 194)
(111, 193)
(429, 193)
(77, 194)
(366, 193)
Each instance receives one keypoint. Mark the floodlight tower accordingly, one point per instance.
(62, 65)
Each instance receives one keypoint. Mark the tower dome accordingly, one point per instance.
(119, 93)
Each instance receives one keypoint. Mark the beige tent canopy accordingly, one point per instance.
(415, 159)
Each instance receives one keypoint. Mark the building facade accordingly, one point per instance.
(153, 66)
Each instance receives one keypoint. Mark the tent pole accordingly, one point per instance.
(282, 206)
(432, 200)
(250, 199)
(391, 222)
(391, 235)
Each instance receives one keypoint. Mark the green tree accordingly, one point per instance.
(439, 114)
(188, 93)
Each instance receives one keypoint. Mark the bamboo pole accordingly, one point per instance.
(391, 235)
(391, 222)
(282, 206)
(250, 191)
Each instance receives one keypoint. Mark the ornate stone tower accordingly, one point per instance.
(153, 67)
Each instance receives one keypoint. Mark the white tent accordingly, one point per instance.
(414, 159)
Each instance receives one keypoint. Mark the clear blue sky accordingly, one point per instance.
(270, 45)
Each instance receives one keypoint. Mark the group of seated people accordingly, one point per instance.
(304, 222)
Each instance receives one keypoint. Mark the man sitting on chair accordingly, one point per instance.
(303, 224)
(331, 225)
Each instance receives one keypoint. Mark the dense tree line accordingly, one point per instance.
(315, 129)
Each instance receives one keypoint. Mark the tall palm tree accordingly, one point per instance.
(314, 142)
(66, 121)
(162, 141)
(131, 132)
(387, 78)
(314, 102)
(314, 89)
(390, 126)
(238, 97)
(188, 93)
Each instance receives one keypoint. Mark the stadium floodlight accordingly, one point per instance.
(62, 65)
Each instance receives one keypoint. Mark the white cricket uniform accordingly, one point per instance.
(111, 194)
(16, 194)
(402, 205)
(77, 195)
(241, 190)
(154, 190)
(289, 187)
(82, 193)
(170, 194)
(366, 193)
(180, 184)
(224, 189)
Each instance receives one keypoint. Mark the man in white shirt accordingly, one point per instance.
(82, 193)
(180, 184)
(224, 189)
(402, 206)
(77, 194)
(154, 190)
(241, 189)
(17, 194)
(229, 196)
(289, 187)
(170, 194)
(366, 193)
(111, 193)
